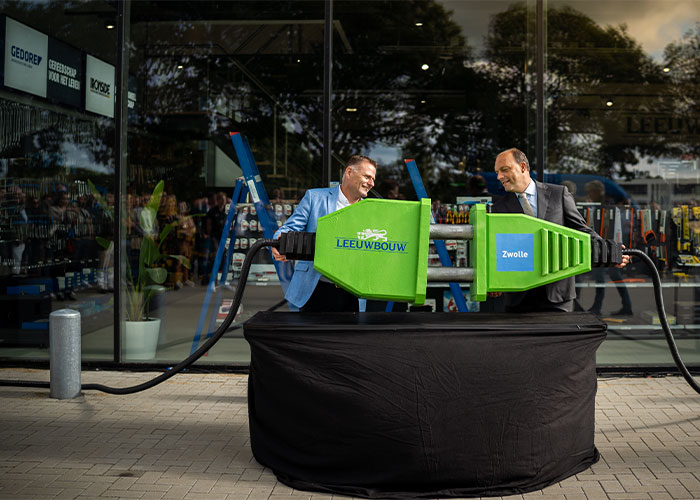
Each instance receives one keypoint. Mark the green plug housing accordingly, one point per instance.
(378, 249)
(516, 252)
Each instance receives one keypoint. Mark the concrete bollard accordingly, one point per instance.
(64, 351)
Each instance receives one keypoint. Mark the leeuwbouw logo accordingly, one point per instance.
(371, 240)
(372, 234)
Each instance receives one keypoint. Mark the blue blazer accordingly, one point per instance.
(315, 203)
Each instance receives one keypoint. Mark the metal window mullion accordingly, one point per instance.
(327, 92)
(120, 130)
(540, 50)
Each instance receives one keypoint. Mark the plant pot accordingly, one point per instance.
(141, 339)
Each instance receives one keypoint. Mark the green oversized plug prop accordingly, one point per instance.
(378, 249)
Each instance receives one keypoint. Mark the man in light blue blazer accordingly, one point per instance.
(309, 291)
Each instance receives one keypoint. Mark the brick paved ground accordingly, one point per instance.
(188, 439)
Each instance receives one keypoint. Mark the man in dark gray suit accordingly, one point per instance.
(550, 202)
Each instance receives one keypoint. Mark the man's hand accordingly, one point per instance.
(276, 254)
(625, 260)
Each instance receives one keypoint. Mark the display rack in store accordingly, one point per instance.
(48, 254)
(670, 237)
(248, 231)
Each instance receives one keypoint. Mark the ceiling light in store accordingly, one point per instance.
(351, 110)
(424, 67)
(666, 69)
(609, 103)
(422, 101)
(419, 24)
(180, 66)
(109, 26)
(298, 60)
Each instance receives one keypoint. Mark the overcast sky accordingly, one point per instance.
(653, 23)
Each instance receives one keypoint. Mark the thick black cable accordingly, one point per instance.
(245, 269)
(223, 327)
(25, 383)
(662, 317)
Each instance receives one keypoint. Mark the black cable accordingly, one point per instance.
(662, 317)
(223, 327)
(25, 383)
(245, 269)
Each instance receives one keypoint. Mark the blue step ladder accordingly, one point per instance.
(418, 185)
(251, 184)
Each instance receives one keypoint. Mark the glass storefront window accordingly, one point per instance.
(197, 72)
(449, 83)
(56, 174)
(445, 83)
(622, 135)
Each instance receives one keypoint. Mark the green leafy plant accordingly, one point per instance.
(139, 289)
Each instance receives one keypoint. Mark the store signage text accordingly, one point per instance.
(99, 94)
(66, 77)
(63, 75)
(99, 87)
(25, 53)
(25, 56)
(663, 125)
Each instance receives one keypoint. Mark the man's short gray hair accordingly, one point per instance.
(357, 159)
(518, 156)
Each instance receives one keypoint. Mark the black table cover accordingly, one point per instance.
(407, 405)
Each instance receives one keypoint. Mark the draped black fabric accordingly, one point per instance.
(409, 405)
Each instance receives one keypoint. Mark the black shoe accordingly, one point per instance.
(623, 312)
(595, 311)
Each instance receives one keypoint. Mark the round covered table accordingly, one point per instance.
(402, 405)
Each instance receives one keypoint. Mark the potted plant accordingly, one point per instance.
(141, 331)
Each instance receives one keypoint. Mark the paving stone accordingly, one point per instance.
(188, 439)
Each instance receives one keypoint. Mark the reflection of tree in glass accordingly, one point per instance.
(202, 73)
(683, 72)
(587, 66)
(432, 112)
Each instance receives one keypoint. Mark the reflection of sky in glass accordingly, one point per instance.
(384, 154)
(474, 17)
(652, 23)
(81, 154)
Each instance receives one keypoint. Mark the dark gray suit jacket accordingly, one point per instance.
(554, 204)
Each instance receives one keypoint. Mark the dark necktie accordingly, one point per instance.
(527, 208)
